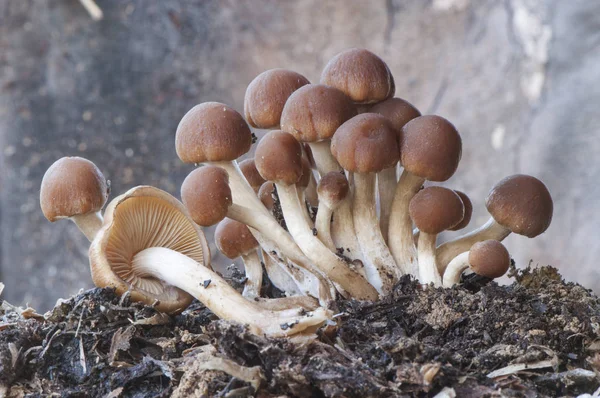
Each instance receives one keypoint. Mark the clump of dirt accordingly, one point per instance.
(539, 336)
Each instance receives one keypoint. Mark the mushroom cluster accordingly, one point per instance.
(332, 205)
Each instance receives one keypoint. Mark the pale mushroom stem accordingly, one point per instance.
(302, 199)
(400, 236)
(380, 268)
(324, 160)
(277, 271)
(455, 269)
(254, 275)
(323, 226)
(213, 291)
(452, 248)
(428, 272)
(311, 191)
(334, 267)
(89, 224)
(241, 191)
(386, 184)
(285, 303)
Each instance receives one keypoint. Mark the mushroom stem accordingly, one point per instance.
(311, 191)
(241, 191)
(400, 236)
(280, 277)
(254, 274)
(386, 184)
(324, 160)
(323, 226)
(333, 266)
(213, 291)
(302, 199)
(89, 224)
(380, 268)
(452, 248)
(455, 269)
(428, 271)
(286, 303)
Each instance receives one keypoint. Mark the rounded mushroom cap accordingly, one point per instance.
(332, 189)
(361, 75)
(265, 194)
(72, 186)
(397, 110)
(436, 209)
(278, 158)
(234, 239)
(266, 95)
(489, 258)
(468, 211)
(366, 143)
(206, 194)
(212, 132)
(314, 112)
(522, 204)
(248, 169)
(430, 148)
(306, 173)
(141, 218)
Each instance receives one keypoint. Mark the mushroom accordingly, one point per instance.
(150, 247)
(488, 258)
(266, 95)
(311, 189)
(74, 188)
(265, 194)
(302, 185)
(279, 159)
(430, 149)
(365, 145)
(399, 112)
(333, 189)
(433, 210)
(519, 203)
(248, 169)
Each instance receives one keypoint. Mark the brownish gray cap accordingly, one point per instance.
(278, 158)
(314, 112)
(397, 110)
(361, 75)
(333, 188)
(266, 95)
(430, 148)
(366, 143)
(522, 204)
(234, 239)
(72, 186)
(212, 132)
(468, 211)
(489, 258)
(206, 194)
(248, 169)
(436, 209)
(265, 194)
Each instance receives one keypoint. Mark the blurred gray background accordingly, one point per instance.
(519, 78)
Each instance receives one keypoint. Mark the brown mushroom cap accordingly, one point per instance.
(522, 204)
(436, 209)
(333, 188)
(212, 132)
(306, 173)
(234, 239)
(489, 258)
(314, 112)
(265, 194)
(468, 212)
(430, 148)
(248, 169)
(206, 194)
(361, 75)
(366, 143)
(72, 186)
(397, 110)
(278, 158)
(266, 95)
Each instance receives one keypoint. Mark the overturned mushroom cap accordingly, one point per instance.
(206, 194)
(265, 194)
(314, 112)
(366, 143)
(72, 186)
(468, 212)
(436, 209)
(430, 148)
(397, 110)
(266, 96)
(278, 158)
(212, 132)
(234, 239)
(522, 204)
(248, 169)
(489, 258)
(333, 188)
(361, 75)
(142, 218)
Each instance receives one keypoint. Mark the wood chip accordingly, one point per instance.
(519, 367)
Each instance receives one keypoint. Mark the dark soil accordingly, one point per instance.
(417, 342)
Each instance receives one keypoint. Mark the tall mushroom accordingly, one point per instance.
(488, 258)
(74, 188)
(333, 189)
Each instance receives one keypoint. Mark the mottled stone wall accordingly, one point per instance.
(517, 77)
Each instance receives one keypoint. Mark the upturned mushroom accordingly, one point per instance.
(333, 189)
(76, 189)
(488, 258)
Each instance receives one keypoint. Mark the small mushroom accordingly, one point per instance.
(465, 221)
(488, 258)
(265, 194)
(74, 188)
(248, 169)
(333, 189)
